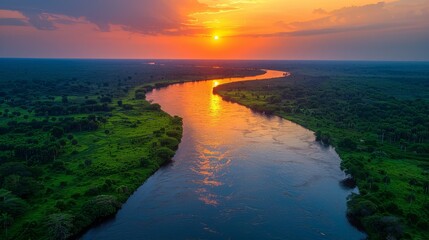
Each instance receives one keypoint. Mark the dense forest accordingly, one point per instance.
(78, 137)
(376, 115)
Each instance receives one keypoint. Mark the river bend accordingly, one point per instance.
(236, 175)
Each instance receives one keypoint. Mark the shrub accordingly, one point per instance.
(106, 100)
(392, 207)
(164, 153)
(88, 162)
(61, 205)
(127, 106)
(139, 95)
(122, 189)
(92, 191)
(58, 165)
(169, 142)
(144, 162)
(75, 195)
(101, 206)
(154, 107)
(177, 120)
(57, 132)
(174, 134)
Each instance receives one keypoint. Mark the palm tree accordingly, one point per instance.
(59, 225)
(6, 220)
(11, 204)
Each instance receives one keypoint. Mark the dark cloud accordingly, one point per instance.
(13, 22)
(143, 16)
(321, 31)
(40, 21)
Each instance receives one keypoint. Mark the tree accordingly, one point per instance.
(11, 204)
(70, 137)
(164, 153)
(63, 143)
(103, 120)
(101, 206)
(107, 132)
(386, 181)
(106, 100)
(6, 220)
(64, 99)
(21, 186)
(59, 225)
(386, 227)
(318, 135)
(169, 142)
(74, 142)
(347, 143)
(57, 132)
(411, 198)
(88, 162)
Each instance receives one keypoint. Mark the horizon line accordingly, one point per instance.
(213, 59)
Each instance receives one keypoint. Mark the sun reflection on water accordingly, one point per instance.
(212, 154)
(210, 167)
(215, 105)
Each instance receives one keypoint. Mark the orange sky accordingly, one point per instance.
(247, 29)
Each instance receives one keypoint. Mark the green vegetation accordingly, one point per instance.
(78, 138)
(377, 117)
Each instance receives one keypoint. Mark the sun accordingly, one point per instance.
(215, 37)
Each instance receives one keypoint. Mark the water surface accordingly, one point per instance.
(237, 175)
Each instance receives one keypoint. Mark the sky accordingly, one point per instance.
(216, 29)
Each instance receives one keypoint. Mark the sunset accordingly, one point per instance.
(214, 119)
(270, 29)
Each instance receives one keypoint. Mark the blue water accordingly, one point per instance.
(237, 175)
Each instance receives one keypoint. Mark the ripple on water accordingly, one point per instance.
(236, 175)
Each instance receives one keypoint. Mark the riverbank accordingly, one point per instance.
(392, 182)
(74, 148)
(98, 173)
(230, 159)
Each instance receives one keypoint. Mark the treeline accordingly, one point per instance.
(343, 105)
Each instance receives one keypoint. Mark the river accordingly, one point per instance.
(236, 175)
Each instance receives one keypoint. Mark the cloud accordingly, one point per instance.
(169, 17)
(320, 11)
(13, 22)
(181, 17)
(371, 16)
(402, 14)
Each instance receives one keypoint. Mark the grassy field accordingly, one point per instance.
(377, 117)
(78, 138)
